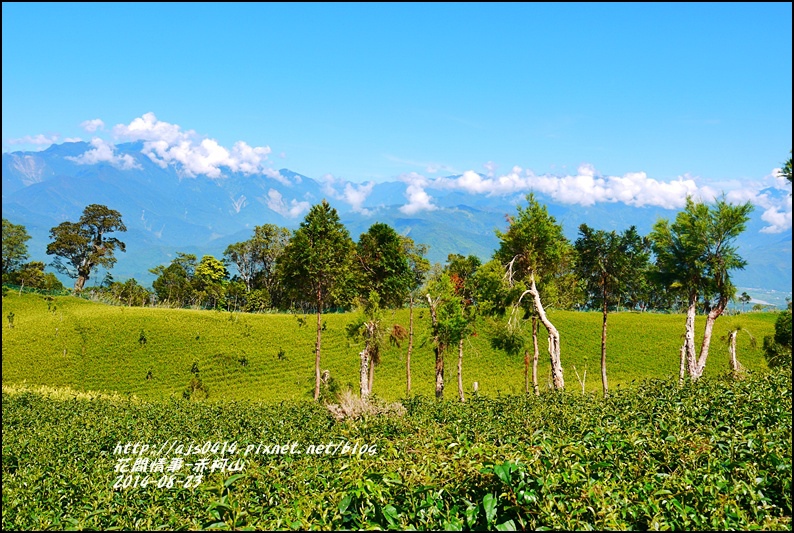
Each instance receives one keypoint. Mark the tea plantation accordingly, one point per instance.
(258, 454)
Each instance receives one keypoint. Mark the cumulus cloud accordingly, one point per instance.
(352, 194)
(92, 125)
(105, 152)
(294, 209)
(167, 144)
(418, 199)
(586, 187)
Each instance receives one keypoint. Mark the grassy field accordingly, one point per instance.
(70, 342)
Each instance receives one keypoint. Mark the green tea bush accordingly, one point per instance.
(715, 455)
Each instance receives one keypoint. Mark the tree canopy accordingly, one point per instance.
(15, 249)
(80, 247)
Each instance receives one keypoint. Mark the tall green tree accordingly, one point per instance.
(80, 247)
(695, 255)
(608, 262)
(534, 250)
(15, 249)
(316, 267)
(419, 266)
(383, 269)
(786, 170)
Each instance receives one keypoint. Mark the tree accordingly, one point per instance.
(208, 279)
(419, 266)
(777, 349)
(316, 267)
(174, 282)
(607, 262)
(494, 296)
(15, 249)
(383, 270)
(446, 318)
(695, 255)
(730, 338)
(745, 299)
(256, 258)
(368, 325)
(534, 250)
(786, 170)
(80, 247)
(462, 272)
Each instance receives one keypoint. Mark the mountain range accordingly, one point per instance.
(167, 211)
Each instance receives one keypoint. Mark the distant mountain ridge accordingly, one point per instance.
(165, 212)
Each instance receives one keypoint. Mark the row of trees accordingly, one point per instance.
(318, 266)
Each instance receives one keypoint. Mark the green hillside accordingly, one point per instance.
(71, 342)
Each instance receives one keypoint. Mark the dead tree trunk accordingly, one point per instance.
(460, 371)
(371, 376)
(689, 337)
(732, 350)
(364, 381)
(707, 333)
(554, 337)
(526, 371)
(604, 383)
(438, 349)
(535, 355)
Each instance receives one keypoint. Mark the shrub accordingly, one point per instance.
(777, 349)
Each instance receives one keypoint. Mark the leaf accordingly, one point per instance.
(232, 479)
(345, 503)
(390, 513)
(506, 526)
(489, 504)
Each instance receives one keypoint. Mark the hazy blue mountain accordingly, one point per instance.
(165, 212)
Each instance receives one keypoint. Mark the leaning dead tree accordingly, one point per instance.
(554, 336)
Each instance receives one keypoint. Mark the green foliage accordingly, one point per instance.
(15, 249)
(196, 389)
(534, 241)
(80, 247)
(316, 264)
(384, 266)
(610, 265)
(777, 349)
(695, 254)
(715, 455)
(417, 262)
(173, 284)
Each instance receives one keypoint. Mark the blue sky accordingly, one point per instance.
(379, 91)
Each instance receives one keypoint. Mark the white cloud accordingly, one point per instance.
(352, 194)
(275, 201)
(418, 199)
(92, 125)
(587, 188)
(167, 144)
(39, 140)
(490, 167)
(104, 151)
